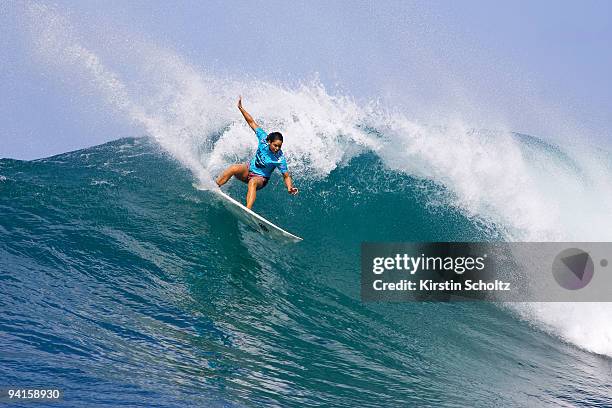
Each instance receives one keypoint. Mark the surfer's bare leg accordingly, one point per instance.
(240, 171)
(254, 184)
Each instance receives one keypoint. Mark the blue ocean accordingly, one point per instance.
(123, 285)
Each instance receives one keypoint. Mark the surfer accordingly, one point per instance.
(268, 157)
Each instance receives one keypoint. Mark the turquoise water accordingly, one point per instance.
(123, 285)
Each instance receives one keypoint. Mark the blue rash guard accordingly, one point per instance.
(264, 162)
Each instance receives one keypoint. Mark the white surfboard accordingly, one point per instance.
(255, 220)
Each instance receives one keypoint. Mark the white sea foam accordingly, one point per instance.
(101, 183)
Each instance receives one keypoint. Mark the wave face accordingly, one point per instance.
(122, 284)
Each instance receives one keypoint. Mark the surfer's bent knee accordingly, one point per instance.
(239, 171)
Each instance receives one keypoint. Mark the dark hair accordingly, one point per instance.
(274, 136)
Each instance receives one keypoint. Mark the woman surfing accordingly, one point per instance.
(268, 157)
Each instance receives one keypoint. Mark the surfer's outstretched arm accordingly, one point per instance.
(247, 117)
(289, 183)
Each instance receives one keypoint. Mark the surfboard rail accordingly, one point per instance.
(253, 219)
